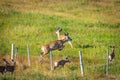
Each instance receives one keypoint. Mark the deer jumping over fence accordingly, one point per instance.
(61, 37)
(61, 63)
(54, 45)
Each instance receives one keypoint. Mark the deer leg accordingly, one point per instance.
(41, 53)
(5, 70)
(41, 58)
(54, 67)
(12, 72)
(61, 47)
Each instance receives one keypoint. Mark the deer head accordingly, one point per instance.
(58, 30)
(61, 37)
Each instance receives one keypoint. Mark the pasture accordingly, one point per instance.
(94, 26)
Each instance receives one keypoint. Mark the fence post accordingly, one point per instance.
(107, 62)
(51, 63)
(28, 50)
(16, 54)
(81, 63)
(12, 51)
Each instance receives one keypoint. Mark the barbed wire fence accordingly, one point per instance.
(104, 67)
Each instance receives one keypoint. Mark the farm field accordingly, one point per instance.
(93, 25)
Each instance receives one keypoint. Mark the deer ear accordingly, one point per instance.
(59, 28)
(66, 34)
(113, 46)
(66, 57)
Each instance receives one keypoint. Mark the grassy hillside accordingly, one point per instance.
(94, 26)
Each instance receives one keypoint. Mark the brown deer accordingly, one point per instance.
(54, 45)
(61, 63)
(10, 67)
(112, 55)
(61, 37)
(2, 68)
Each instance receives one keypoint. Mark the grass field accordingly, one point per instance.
(94, 26)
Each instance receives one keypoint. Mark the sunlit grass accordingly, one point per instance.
(94, 26)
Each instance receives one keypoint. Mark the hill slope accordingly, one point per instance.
(94, 26)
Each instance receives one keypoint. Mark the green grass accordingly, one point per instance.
(94, 26)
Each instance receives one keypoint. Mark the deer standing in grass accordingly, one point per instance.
(2, 68)
(61, 63)
(9, 67)
(112, 55)
(61, 37)
(54, 45)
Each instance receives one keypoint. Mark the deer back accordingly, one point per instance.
(54, 45)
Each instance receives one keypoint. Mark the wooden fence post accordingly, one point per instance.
(51, 62)
(12, 51)
(16, 54)
(107, 62)
(28, 50)
(81, 63)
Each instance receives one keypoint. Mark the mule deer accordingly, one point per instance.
(9, 67)
(61, 37)
(61, 63)
(2, 68)
(54, 45)
(112, 55)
